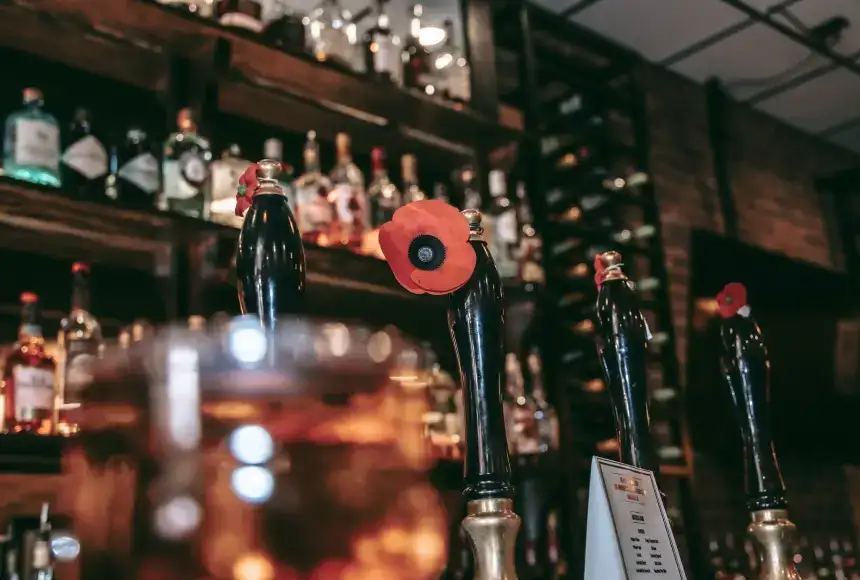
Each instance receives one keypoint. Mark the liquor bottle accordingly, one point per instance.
(347, 195)
(440, 193)
(472, 199)
(545, 415)
(381, 56)
(409, 173)
(31, 146)
(332, 35)
(529, 254)
(28, 376)
(185, 170)
(521, 411)
(622, 339)
(315, 214)
(226, 172)
(453, 68)
(270, 260)
(383, 195)
(502, 231)
(273, 148)
(244, 14)
(84, 164)
(135, 178)
(41, 559)
(81, 339)
(417, 69)
(284, 29)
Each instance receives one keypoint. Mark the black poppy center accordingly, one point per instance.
(426, 252)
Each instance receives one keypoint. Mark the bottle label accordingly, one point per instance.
(88, 157)
(506, 227)
(142, 172)
(183, 178)
(314, 210)
(459, 83)
(79, 369)
(37, 143)
(343, 194)
(34, 389)
(384, 59)
(225, 180)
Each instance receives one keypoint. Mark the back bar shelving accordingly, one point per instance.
(585, 159)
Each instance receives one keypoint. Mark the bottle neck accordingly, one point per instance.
(80, 293)
(312, 159)
(29, 327)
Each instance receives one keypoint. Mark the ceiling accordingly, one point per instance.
(756, 63)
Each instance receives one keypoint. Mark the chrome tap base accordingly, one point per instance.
(774, 535)
(491, 526)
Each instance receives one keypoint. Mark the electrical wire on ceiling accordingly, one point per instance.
(827, 34)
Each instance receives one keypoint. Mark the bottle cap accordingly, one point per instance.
(474, 217)
(341, 142)
(80, 267)
(185, 119)
(273, 148)
(234, 150)
(497, 182)
(377, 155)
(32, 94)
(135, 134)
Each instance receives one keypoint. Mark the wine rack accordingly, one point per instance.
(585, 159)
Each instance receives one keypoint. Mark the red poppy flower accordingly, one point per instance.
(248, 184)
(427, 247)
(732, 298)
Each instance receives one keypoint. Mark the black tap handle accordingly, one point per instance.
(270, 261)
(746, 370)
(622, 339)
(476, 322)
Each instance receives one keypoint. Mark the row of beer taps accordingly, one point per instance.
(434, 249)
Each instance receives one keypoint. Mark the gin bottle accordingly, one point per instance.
(135, 180)
(185, 170)
(347, 194)
(315, 214)
(31, 147)
(27, 388)
(409, 172)
(383, 195)
(84, 164)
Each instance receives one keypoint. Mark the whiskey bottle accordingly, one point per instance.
(409, 172)
(81, 338)
(84, 164)
(315, 215)
(185, 170)
(383, 195)
(417, 69)
(28, 376)
(381, 55)
(135, 180)
(226, 172)
(452, 66)
(31, 143)
(244, 14)
(347, 195)
(332, 35)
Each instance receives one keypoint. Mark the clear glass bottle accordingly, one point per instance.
(84, 164)
(185, 170)
(500, 229)
(226, 172)
(28, 376)
(332, 35)
(409, 172)
(314, 212)
(381, 51)
(347, 195)
(383, 195)
(452, 68)
(135, 180)
(81, 336)
(31, 144)
(417, 68)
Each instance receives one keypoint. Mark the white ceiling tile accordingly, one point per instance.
(814, 12)
(750, 61)
(850, 139)
(658, 29)
(818, 104)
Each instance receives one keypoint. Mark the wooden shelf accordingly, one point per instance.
(45, 221)
(131, 41)
(31, 454)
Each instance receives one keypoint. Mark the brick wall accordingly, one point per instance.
(772, 168)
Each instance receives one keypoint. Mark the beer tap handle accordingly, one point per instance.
(622, 337)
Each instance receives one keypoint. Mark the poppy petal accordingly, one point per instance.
(731, 298)
(396, 252)
(453, 274)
